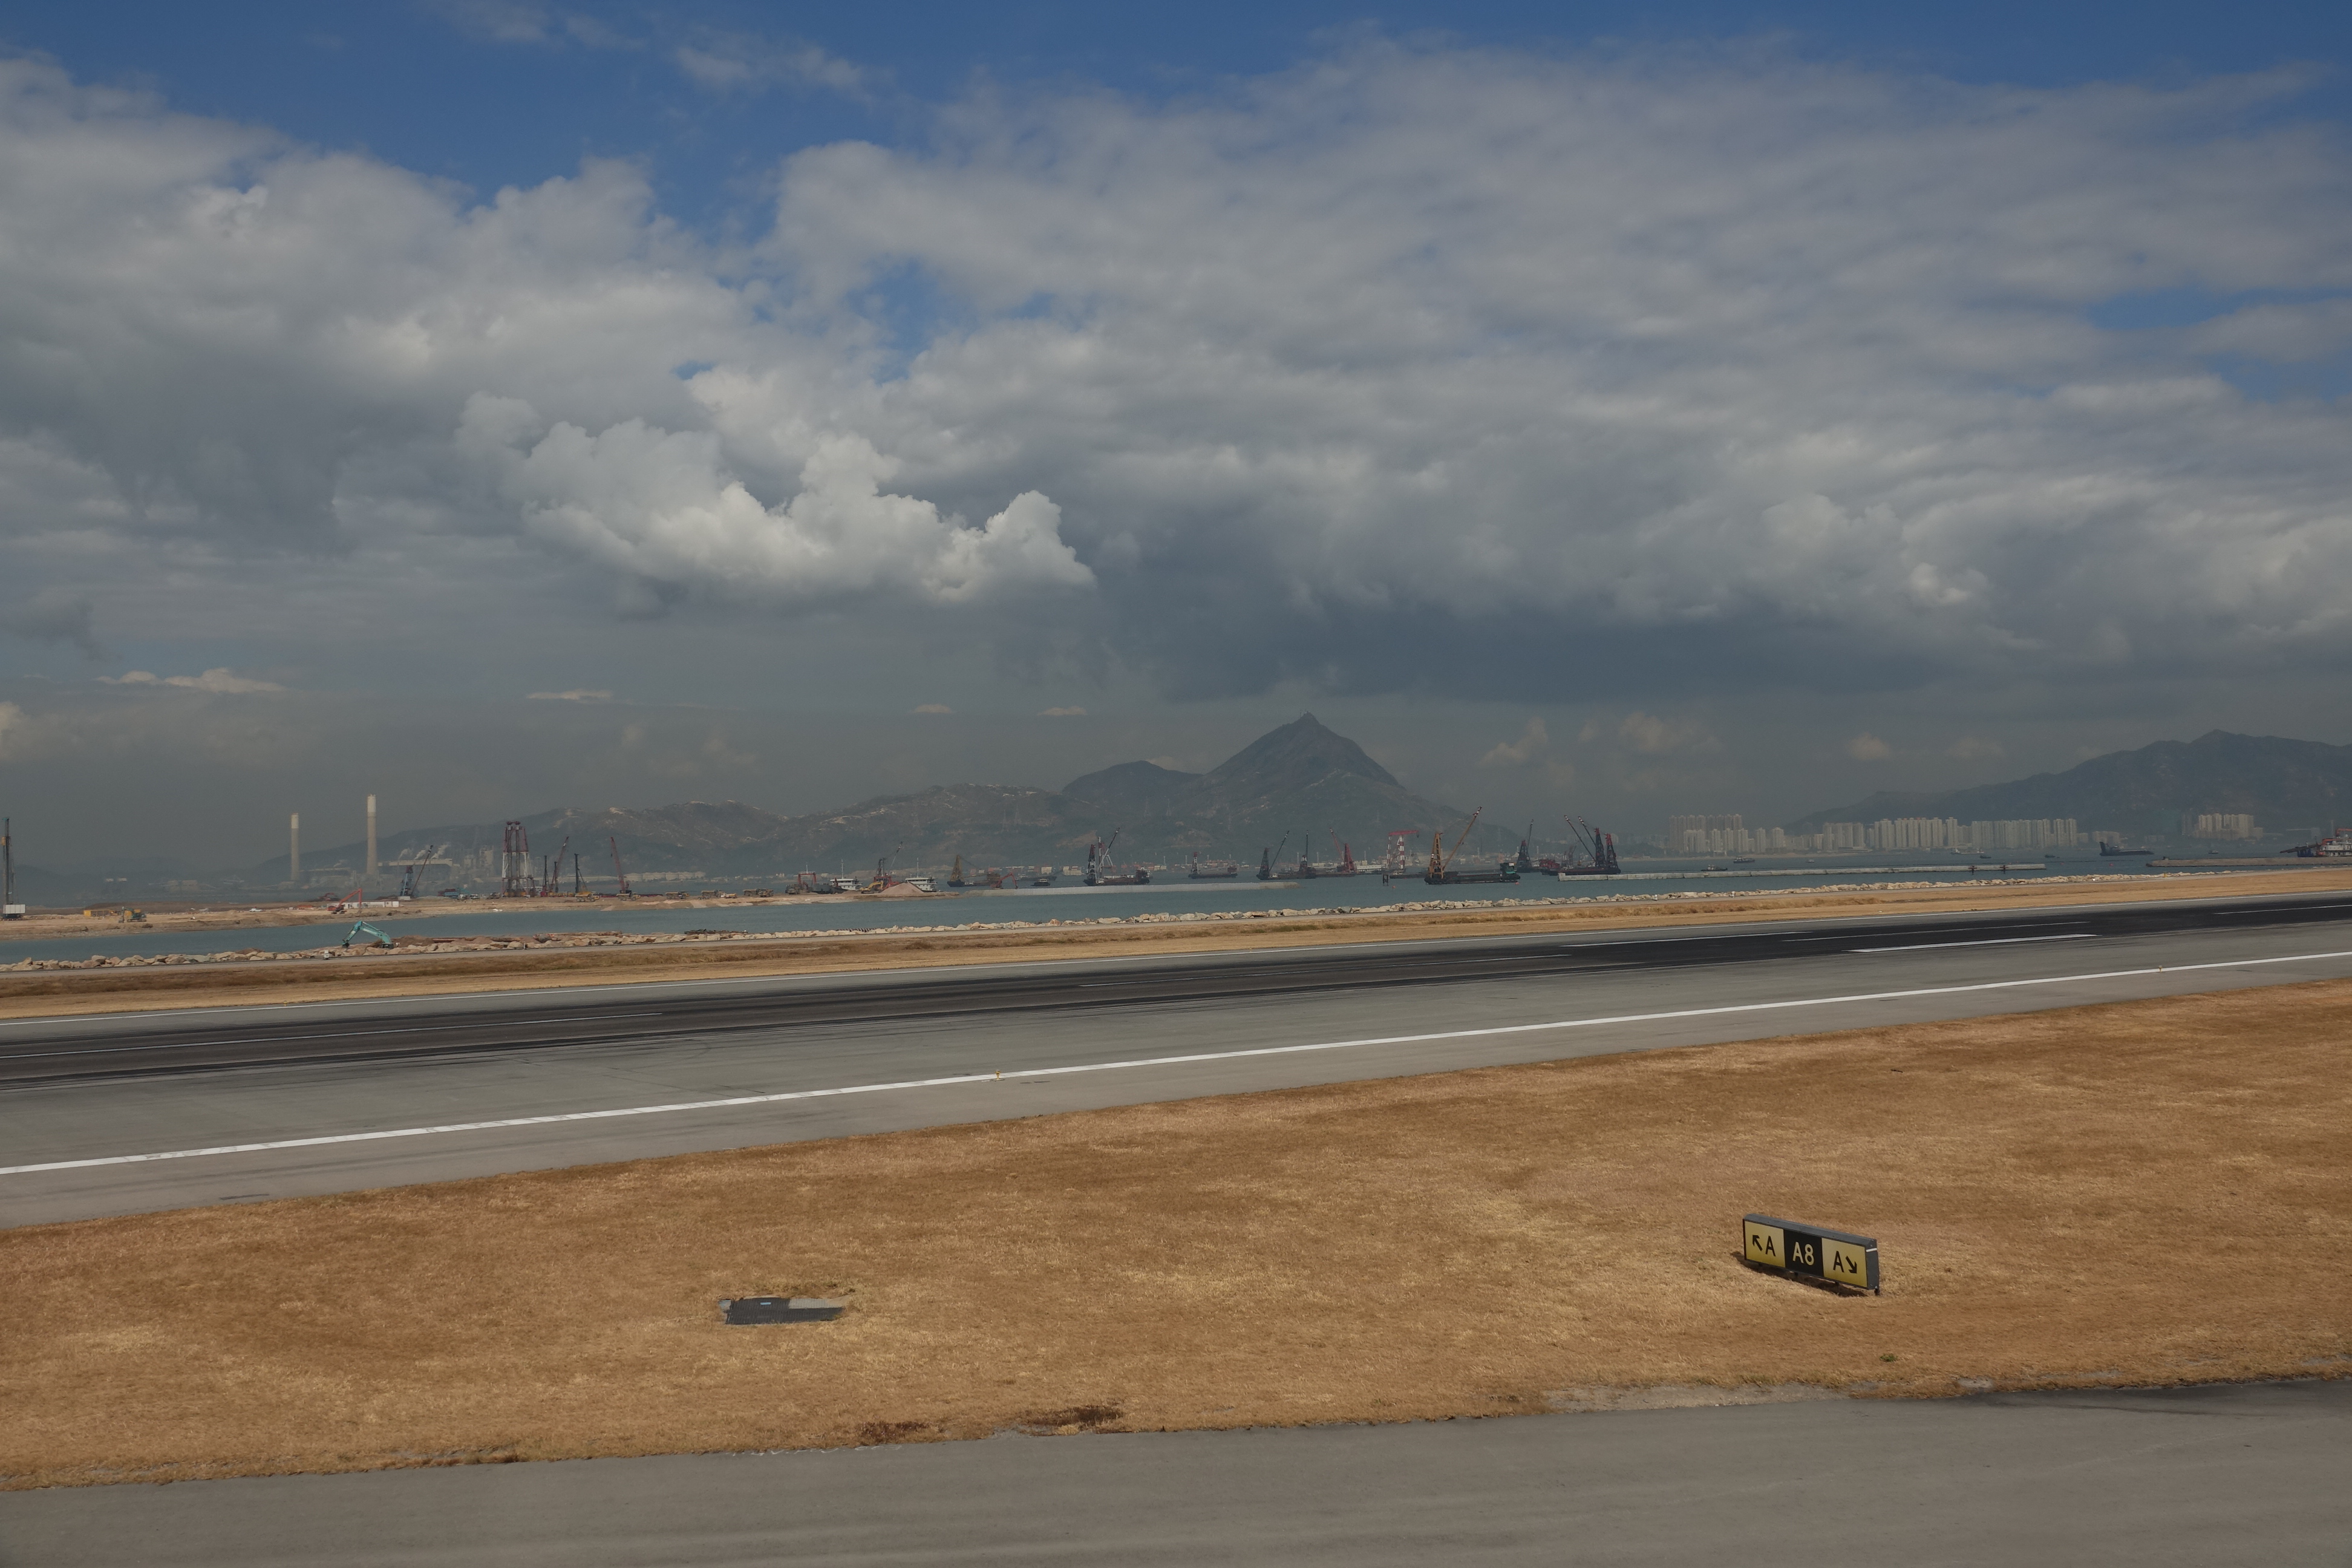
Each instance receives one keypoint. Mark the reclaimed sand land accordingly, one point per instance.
(2141, 1192)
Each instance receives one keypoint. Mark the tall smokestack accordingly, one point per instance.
(294, 848)
(370, 870)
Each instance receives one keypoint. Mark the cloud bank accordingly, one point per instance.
(1410, 369)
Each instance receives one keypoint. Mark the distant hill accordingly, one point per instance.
(1132, 789)
(2282, 784)
(1300, 779)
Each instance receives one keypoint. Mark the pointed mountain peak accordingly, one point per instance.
(1299, 753)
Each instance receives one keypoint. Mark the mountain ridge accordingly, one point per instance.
(2283, 784)
(1299, 778)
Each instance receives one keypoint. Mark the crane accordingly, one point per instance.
(413, 871)
(619, 875)
(1439, 862)
(1098, 856)
(1267, 859)
(1599, 845)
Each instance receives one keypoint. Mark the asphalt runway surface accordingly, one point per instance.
(132, 1112)
(2246, 1474)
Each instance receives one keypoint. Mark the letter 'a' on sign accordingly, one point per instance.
(1810, 1251)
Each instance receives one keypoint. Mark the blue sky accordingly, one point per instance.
(510, 92)
(1690, 407)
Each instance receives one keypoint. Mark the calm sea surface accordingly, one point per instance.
(1649, 878)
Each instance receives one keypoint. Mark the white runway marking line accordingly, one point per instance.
(1983, 942)
(734, 1102)
(1602, 939)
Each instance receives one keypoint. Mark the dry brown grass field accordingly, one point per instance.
(2141, 1192)
(365, 974)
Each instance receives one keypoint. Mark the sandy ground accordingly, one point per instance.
(2139, 1193)
(554, 963)
(108, 917)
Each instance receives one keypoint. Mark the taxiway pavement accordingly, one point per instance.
(2203, 1477)
(127, 1113)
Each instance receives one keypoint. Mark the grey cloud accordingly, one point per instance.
(1748, 371)
(54, 614)
(219, 681)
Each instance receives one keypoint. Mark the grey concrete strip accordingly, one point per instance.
(280, 1102)
(2215, 1476)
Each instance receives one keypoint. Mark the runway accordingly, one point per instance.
(2210, 1476)
(251, 1103)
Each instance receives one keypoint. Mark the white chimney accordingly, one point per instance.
(370, 870)
(294, 848)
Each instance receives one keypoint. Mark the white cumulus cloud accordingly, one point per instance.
(662, 506)
(1417, 368)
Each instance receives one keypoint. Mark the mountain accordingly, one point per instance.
(1298, 783)
(1299, 780)
(1132, 789)
(1303, 781)
(2282, 784)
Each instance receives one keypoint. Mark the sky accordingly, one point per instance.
(1609, 409)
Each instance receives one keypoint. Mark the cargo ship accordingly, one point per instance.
(1451, 876)
(1212, 870)
(2336, 846)
(1441, 871)
(2109, 851)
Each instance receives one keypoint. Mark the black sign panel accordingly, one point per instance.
(1813, 1251)
(779, 1309)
